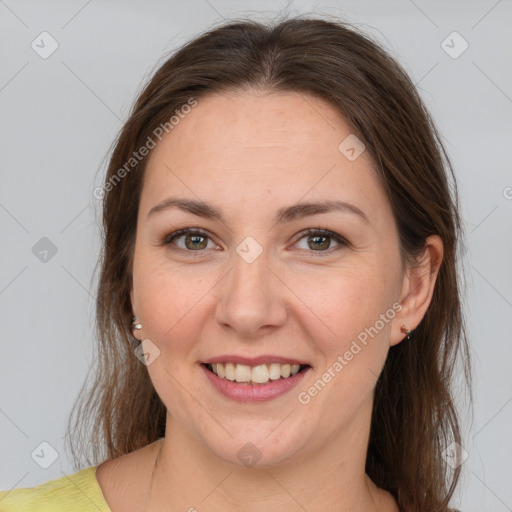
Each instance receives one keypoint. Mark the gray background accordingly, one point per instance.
(59, 116)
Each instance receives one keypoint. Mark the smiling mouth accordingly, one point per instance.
(260, 374)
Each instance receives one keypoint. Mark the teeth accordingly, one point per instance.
(275, 371)
(260, 374)
(294, 368)
(229, 371)
(242, 373)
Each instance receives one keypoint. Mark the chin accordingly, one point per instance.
(256, 448)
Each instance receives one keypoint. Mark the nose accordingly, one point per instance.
(252, 299)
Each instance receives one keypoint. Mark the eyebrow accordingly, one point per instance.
(285, 214)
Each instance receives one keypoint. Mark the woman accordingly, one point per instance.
(278, 308)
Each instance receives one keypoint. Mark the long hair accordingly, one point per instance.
(414, 416)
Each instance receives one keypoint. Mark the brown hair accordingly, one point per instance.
(414, 415)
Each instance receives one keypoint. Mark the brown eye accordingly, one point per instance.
(321, 240)
(188, 240)
(195, 242)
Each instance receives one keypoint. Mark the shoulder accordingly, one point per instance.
(77, 492)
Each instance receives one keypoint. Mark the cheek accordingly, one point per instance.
(167, 294)
(355, 313)
(347, 301)
(171, 303)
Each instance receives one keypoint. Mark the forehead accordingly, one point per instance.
(223, 124)
(248, 146)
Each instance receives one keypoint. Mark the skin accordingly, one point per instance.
(250, 154)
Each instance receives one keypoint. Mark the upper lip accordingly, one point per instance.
(254, 361)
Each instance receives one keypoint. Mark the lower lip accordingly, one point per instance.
(253, 392)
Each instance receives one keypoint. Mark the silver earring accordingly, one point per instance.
(404, 329)
(136, 324)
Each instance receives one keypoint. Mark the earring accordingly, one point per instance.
(404, 329)
(136, 324)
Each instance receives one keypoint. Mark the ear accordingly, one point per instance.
(136, 333)
(417, 288)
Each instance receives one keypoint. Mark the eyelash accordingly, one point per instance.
(308, 232)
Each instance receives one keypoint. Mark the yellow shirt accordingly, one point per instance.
(79, 492)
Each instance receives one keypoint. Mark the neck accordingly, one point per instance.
(190, 477)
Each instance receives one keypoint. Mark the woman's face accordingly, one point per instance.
(255, 287)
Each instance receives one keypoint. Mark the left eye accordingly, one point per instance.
(319, 240)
